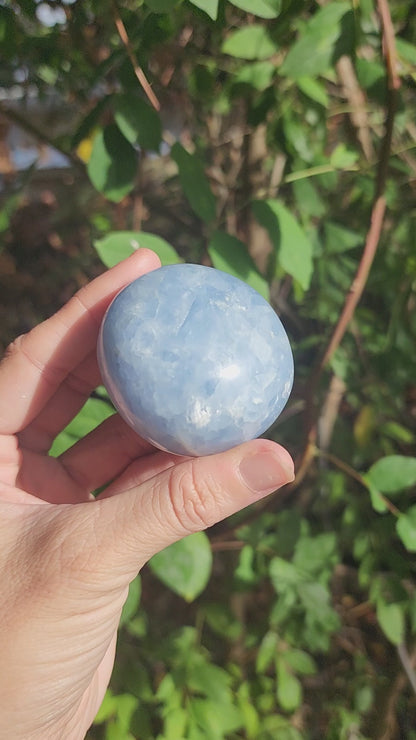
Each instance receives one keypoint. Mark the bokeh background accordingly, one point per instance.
(274, 139)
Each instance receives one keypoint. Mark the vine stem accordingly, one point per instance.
(371, 243)
(138, 71)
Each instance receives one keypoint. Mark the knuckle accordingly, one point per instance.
(14, 347)
(193, 497)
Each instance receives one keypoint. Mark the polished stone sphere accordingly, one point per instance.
(195, 360)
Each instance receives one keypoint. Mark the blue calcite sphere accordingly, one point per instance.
(194, 359)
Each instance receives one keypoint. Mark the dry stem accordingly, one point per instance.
(121, 30)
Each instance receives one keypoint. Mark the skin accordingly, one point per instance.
(66, 559)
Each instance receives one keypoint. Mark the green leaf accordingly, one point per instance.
(126, 706)
(258, 75)
(251, 718)
(245, 572)
(283, 574)
(321, 618)
(132, 602)
(250, 42)
(406, 529)
(107, 709)
(398, 432)
(313, 90)
(293, 248)
(112, 166)
(343, 158)
(300, 662)
(91, 415)
(138, 122)
(210, 7)
(194, 183)
(261, 8)
(118, 245)
(315, 554)
(340, 239)
(185, 566)
(391, 620)
(393, 473)
(231, 255)
(377, 500)
(326, 36)
(289, 689)
(406, 51)
(175, 722)
(216, 719)
(211, 680)
(267, 651)
(222, 620)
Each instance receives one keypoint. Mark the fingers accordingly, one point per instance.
(104, 453)
(38, 362)
(188, 497)
(63, 406)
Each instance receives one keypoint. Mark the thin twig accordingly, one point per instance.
(348, 470)
(407, 662)
(138, 71)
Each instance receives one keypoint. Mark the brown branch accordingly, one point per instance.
(352, 473)
(389, 44)
(407, 662)
(121, 30)
(359, 282)
(358, 105)
(373, 234)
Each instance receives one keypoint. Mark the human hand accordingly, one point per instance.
(66, 559)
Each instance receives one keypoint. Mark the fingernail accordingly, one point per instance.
(266, 471)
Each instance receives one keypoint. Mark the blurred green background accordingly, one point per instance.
(274, 139)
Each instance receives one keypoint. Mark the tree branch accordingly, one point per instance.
(39, 134)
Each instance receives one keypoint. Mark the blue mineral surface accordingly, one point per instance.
(195, 360)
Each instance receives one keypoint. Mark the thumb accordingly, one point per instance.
(189, 497)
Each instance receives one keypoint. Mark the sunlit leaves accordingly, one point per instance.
(210, 7)
(258, 75)
(406, 529)
(112, 166)
(231, 255)
(185, 566)
(391, 621)
(393, 473)
(250, 42)
(117, 245)
(194, 182)
(293, 248)
(327, 35)
(93, 413)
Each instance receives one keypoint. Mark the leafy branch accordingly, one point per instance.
(371, 243)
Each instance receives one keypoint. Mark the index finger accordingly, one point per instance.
(37, 363)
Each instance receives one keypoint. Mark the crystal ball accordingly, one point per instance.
(194, 359)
